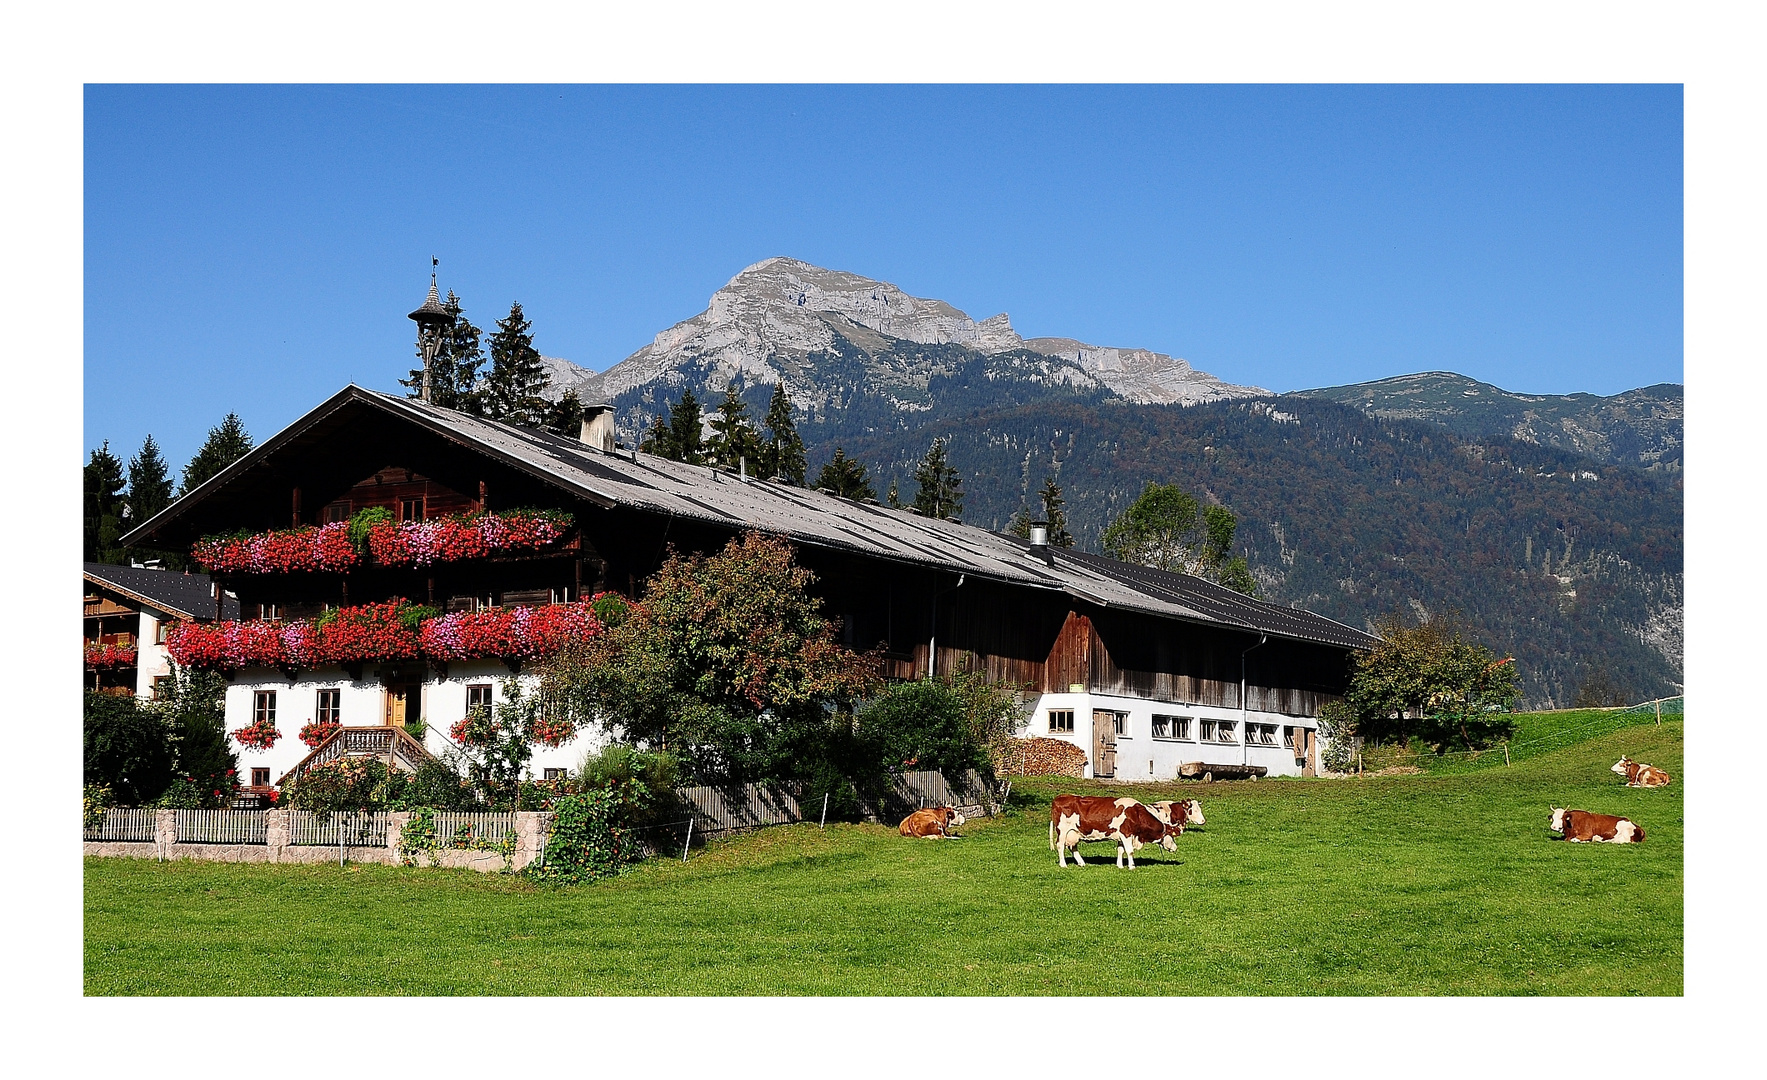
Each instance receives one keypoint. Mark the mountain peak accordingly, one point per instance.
(780, 319)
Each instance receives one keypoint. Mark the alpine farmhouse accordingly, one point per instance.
(1144, 672)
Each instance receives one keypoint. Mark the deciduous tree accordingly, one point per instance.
(1166, 527)
(1428, 682)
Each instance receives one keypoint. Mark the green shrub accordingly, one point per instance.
(339, 786)
(590, 839)
(128, 748)
(95, 800)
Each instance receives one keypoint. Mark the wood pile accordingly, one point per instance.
(1041, 757)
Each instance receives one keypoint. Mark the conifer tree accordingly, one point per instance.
(513, 389)
(941, 489)
(226, 444)
(782, 450)
(1054, 515)
(894, 499)
(455, 372)
(150, 483)
(103, 506)
(733, 437)
(845, 477)
(684, 430)
(565, 416)
(659, 440)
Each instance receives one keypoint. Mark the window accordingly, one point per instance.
(260, 778)
(1061, 720)
(264, 707)
(337, 511)
(1171, 727)
(162, 685)
(552, 774)
(1122, 725)
(478, 696)
(411, 509)
(268, 611)
(159, 632)
(328, 708)
(1217, 731)
(1260, 734)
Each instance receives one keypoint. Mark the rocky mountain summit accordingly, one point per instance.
(827, 334)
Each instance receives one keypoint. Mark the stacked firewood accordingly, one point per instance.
(1040, 757)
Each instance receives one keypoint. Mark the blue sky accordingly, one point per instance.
(252, 249)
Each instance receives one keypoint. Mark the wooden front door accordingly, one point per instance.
(1104, 744)
(403, 704)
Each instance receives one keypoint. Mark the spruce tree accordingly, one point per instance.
(845, 477)
(733, 437)
(565, 416)
(782, 450)
(226, 444)
(1054, 516)
(659, 439)
(512, 391)
(150, 483)
(894, 499)
(684, 433)
(455, 371)
(941, 489)
(103, 506)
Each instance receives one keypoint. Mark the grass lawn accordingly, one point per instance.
(1419, 884)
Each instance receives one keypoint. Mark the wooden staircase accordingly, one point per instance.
(393, 745)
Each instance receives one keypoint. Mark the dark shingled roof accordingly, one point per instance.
(188, 596)
(720, 498)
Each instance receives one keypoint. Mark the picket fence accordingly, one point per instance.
(491, 827)
(305, 829)
(125, 825)
(221, 827)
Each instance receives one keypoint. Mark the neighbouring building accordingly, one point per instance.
(128, 611)
(1144, 671)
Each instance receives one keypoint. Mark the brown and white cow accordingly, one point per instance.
(1191, 809)
(1638, 774)
(1074, 818)
(1582, 827)
(933, 823)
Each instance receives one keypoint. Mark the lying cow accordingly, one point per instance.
(1192, 810)
(1638, 774)
(1130, 825)
(1582, 827)
(934, 823)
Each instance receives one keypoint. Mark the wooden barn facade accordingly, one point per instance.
(1145, 671)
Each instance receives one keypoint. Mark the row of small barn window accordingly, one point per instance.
(1061, 721)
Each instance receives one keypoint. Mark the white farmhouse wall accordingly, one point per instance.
(151, 658)
(363, 704)
(1141, 757)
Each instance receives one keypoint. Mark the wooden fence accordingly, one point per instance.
(346, 829)
(221, 827)
(716, 810)
(125, 825)
(493, 827)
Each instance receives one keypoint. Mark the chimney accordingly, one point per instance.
(598, 426)
(1040, 542)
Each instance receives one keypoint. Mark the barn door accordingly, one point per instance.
(1104, 744)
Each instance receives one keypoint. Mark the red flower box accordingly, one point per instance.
(465, 536)
(259, 735)
(315, 732)
(110, 656)
(280, 551)
(525, 633)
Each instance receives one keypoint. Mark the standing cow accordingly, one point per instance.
(933, 823)
(1638, 774)
(1073, 818)
(1583, 827)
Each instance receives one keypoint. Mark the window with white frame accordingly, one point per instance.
(1260, 734)
(478, 696)
(1217, 731)
(1171, 727)
(328, 707)
(1061, 720)
(1122, 725)
(264, 707)
(552, 774)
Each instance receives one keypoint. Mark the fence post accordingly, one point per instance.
(823, 824)
(1506, 755)
(689, 843)
(1659, 712)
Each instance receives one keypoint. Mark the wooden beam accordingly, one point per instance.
(484, 497)
(295, 516)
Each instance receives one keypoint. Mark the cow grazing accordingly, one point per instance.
(1583, 827)
(1192, 811)
(1638, 774)
(933, 823)
(1073, 818)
